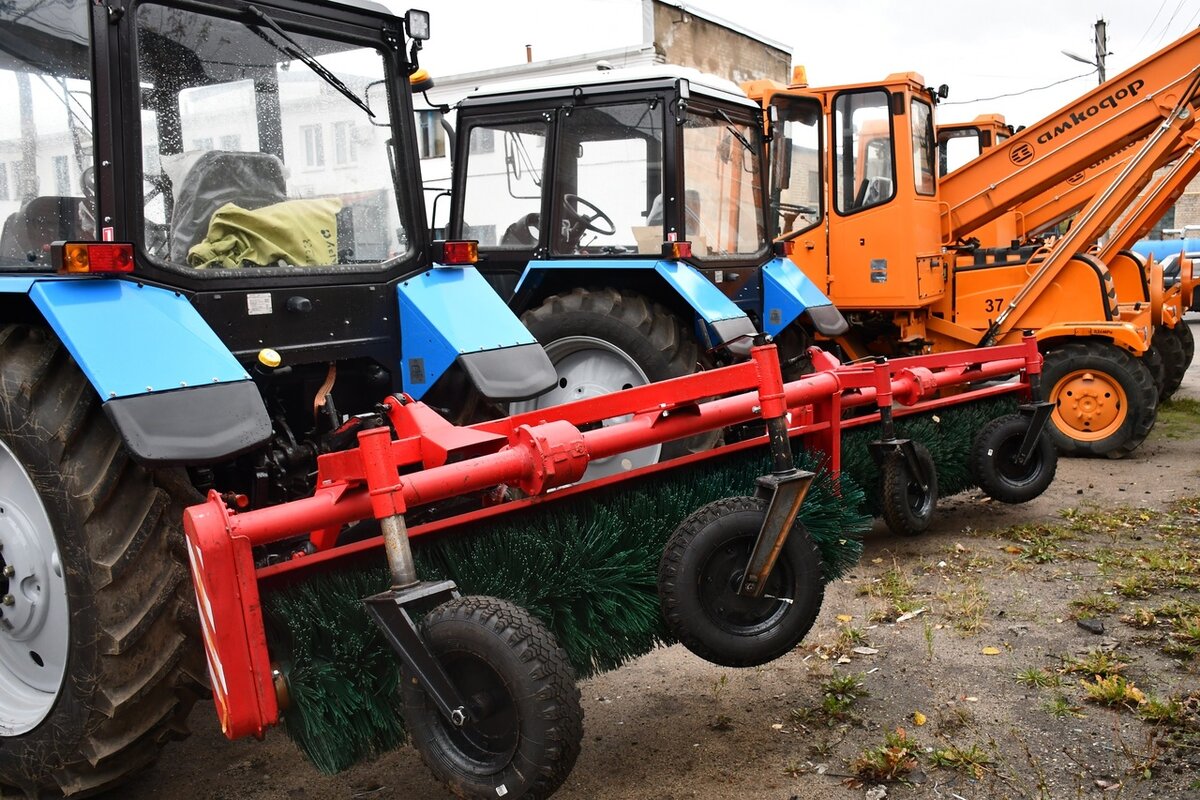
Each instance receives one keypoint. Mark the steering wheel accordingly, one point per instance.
(873, 190)
(581, 223)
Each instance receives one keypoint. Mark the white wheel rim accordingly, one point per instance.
(589, 367)
(35, 626)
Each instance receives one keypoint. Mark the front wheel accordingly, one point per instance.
(1105, 400)
(908, 503)
(994, 465)
(528, 721)
(702, 568)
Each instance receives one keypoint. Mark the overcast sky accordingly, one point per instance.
(980, 49)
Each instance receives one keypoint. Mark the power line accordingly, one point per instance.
(1151, 25)
(1017, 94)
(1167, 27)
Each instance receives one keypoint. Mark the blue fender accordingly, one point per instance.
(169, 385)
(721, 315)
(787, 293)
(452, 314)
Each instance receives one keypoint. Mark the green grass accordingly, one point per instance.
(1178, 418)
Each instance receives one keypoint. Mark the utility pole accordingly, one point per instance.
(1101, 47)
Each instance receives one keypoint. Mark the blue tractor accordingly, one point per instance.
(623, 214)
(213, 263)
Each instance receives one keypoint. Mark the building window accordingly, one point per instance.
(4, 181)
(62, 175)
(314, 146)
(431, 139)
(345, 148)
(202, 143)
(232, 142)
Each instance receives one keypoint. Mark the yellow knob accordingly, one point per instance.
(269, 358)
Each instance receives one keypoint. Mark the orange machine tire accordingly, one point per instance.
(1105, 399)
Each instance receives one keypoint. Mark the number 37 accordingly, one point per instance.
(993, 304)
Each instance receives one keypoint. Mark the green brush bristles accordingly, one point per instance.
(586, 566)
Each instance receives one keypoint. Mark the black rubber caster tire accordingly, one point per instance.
(526, 739)
(698, 578)
(907, 508)
(993, 461)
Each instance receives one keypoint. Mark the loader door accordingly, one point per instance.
(796, 210)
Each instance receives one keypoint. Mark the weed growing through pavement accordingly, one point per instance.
(1037, 677)
(1061, 707)
(1115, 691)
(973, 760)
(841, 692)
(1092, 605)
(1098, 663)
(891, 762)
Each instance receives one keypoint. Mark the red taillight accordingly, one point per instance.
(459, 253)
(677, 251)
(91, 257)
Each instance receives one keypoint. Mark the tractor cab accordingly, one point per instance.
(610, 167)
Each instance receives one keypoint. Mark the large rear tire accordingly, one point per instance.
(528, 725)
(604, 340)
(1105, 399)
(1174, 359)
(103, 659)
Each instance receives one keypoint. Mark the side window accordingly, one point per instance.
(47, 184)
(922, 147)
(607, 198)
(431, 138)
(253, 159)
(864, 161)
(502, 183)
(796, 167)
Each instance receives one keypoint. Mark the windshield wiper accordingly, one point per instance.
(296, 50)
(740, 136)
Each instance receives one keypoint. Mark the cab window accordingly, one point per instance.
(796, 166)
(722, 211)
(864, 164)
(47, 178)
(922, 147)
(502, 184)
(608, 182)
(253, 159)
(956, 147)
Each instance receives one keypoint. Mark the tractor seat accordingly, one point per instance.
(249, 180)
(29, 232)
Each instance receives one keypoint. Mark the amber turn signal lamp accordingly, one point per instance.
(677, 251)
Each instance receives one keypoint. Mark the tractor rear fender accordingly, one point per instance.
(787, 293)
(1123, 335)
(167, 383)
(451, 314)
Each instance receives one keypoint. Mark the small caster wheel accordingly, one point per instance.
(701, 570)
(994, 461)
(907, 507)
(528, 722)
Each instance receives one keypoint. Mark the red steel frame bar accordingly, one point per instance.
(536, 455)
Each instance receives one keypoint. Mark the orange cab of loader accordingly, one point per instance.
(872, 230)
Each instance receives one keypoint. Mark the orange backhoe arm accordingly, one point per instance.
(1150, 207)
(1125, 109)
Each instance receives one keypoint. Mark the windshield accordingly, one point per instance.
(796, 166)
(865, 169)
(723, 214)
(46, 138)
(257, 148)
